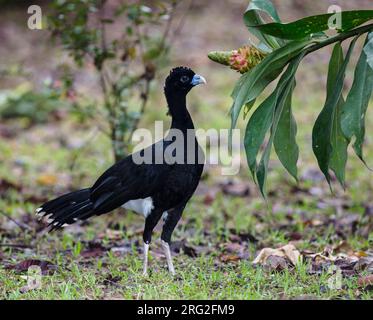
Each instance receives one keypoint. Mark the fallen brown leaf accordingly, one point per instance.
(182, 245)
(288, 252)
(276, 263)
(237, 189)
(5, 185)
(365, 263)
(209, 198)
(226, 258)
(110, 280)
(7, 132)
(111, 234)
(46, 267)
(94, 250)
(365, 281)
(47, 180)
(241, 236)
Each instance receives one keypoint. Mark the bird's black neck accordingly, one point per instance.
(181, 118)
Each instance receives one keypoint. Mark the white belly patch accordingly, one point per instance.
(141, 206)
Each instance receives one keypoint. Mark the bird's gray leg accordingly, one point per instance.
(146, 253)
(150, 222)
(171, 221)
(167, 252)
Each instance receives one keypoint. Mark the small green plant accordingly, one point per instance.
(282, 47)
(77, 249)
(126, 44)
(34, 106)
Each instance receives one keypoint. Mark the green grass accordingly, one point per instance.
(196, 279)
(112, 276)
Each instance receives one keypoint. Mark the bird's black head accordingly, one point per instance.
(181, 80)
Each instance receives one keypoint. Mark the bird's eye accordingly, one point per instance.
(184, 79)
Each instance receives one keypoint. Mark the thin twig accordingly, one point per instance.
(139, 39)
(102, 25)
(181, 21)
(162, 47)
(19, 224)
(105, 80)
(167, 28)
(78, 152)
(144, 97)
(15, 245)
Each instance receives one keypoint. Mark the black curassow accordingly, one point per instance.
(152, 188)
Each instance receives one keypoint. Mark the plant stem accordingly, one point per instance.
(144, 98)
(18, 223)
(341, 37)
(166, 31)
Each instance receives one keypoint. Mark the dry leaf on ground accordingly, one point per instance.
(47, 180)
(278, 258)
(46, 267)
(366, 281)
(237, 189)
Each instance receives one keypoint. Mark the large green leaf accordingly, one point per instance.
(305, 27)
(252, 83)
(354, 110)
(268, 115)
(284, 96)
(339, 143)
(257, 128)
(284, 142)
(323, 134)
(368, 49)
(252, 18)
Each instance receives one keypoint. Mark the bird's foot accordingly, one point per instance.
(167, 252)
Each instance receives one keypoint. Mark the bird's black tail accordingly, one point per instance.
(67, 209)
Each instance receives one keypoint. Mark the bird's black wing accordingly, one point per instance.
(124, 181)
(128, 180)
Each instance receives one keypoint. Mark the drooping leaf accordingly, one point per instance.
(308, 26)
(324, 135)
(252, 18)
(256, 130)
(267, 115)
(264, 6)
(354, 110)
(261, 174)
(338, 157)
(285, 90)
(252, 83)
(248, 88)
(368, 49)
(339, 143)
(248, 106)
(335, 64)
(284, 142)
